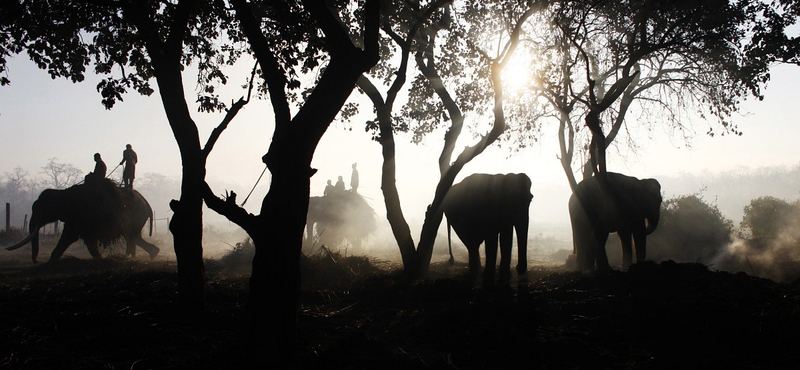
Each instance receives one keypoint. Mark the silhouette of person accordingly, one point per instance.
(130, 159)
(99, 169)
(328, 189)
(354, 179)
(99, 166)
(339, 186)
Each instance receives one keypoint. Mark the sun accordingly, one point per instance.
(517, 74)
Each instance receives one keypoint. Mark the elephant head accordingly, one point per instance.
(628, 206)
(96, 211)
(651, 196)
(482, 207)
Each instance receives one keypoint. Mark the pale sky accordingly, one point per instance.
(42, 118)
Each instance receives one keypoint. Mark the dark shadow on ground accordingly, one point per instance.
(357, 314)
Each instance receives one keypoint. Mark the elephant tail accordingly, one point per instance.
(151, 223)
(450, 244)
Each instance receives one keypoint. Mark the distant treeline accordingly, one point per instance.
(731, 191)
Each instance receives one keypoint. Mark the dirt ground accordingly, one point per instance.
(355, 313)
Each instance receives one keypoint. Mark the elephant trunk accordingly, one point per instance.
(651, 222)
(522, 244)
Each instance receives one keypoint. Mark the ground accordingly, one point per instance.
(356, 313)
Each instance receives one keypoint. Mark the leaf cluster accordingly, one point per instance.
(67, 37)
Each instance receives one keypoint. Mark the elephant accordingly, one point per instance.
(483, 206)
(631, 207)
(97, 211)
(339, 217)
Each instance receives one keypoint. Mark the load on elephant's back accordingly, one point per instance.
(339, 218)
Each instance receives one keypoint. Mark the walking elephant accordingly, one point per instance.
(96, 211)
(339, 217)
(483, 206)
(630, 207)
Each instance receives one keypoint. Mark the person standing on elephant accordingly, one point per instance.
(130, 159)
(354, 179)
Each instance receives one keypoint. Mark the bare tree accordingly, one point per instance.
(61, 175)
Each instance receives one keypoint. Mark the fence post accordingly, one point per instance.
(8, 217)
(25, 223)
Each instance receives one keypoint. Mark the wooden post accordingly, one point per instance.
(25, 223)
(8, 217)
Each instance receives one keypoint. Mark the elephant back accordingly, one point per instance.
(483, 199)
(98, 210)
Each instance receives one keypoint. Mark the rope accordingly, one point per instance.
(254, 186)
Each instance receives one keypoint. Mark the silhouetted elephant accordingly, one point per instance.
(631, 208)
(339, 217)
(97, 211)
(480, 208)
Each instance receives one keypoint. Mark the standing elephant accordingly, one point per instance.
(480, 208)
(97, 211)
(630, 207)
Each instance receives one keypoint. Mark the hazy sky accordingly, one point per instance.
(42, 118)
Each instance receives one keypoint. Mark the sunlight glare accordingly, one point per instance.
(517, 74)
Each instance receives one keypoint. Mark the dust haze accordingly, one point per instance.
(705, 219)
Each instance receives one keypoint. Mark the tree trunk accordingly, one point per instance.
(186, 227)
(187, 222)
(275, 280)
(394, 212)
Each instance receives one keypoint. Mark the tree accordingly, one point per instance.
(146, 40)
(767, 217)
(418, 30)
(690, 230)
(602, 59)
(131, 42)
(350, 49)
(19, 190)
(61, 175)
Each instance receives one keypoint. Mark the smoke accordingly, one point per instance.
(777, 259)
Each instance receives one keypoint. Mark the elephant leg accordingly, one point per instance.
(474, 258)
(640, 243)
(150, 248)
(598, 251)
(491, 258)
(68, 236)
(522, 245)
(93, 248)
(506, 240)
(130, 249)
(625, 244)
(583, 236)
(309, 231)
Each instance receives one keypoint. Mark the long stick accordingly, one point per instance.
(254, 186)
(112, 171)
